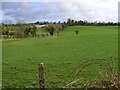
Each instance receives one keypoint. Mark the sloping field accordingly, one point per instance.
(60, 54)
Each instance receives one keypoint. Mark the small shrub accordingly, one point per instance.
(77, 32)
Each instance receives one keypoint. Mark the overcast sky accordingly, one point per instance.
(56, 10)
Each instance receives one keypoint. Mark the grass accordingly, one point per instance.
(60, 54)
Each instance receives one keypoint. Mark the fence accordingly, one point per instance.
(41, 75)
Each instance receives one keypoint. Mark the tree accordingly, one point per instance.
(30, 30)
(27, 31)
(69, 22)
(58, 27)
(63, 25)
(33, 30)
(5, 30)
(51, 29)
(20, 28)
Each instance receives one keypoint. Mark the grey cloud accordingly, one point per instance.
(54, 11)
(10, 5)
(33, 11)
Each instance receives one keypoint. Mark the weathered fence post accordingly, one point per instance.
(41, 75)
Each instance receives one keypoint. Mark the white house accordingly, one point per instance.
(40, 26)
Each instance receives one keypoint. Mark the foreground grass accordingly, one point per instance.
(60, 54)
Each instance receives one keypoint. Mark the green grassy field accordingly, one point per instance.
(60, 54)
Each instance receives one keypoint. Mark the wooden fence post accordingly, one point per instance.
(41, 75)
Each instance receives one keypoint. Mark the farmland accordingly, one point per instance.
(60, 54)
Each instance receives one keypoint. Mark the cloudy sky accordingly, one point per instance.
(58, 10)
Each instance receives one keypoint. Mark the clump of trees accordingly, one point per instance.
(55, 28)
(19, 31)
(51, 29)
(30, 31)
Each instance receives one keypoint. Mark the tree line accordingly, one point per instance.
(72, 22)
(23, 30)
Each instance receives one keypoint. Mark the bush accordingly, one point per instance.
(77, 32)
(52, 28)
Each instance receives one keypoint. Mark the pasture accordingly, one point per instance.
(60, 54)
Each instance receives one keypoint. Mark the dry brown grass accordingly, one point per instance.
(109, 80)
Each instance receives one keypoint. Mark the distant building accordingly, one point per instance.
(41, 26)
